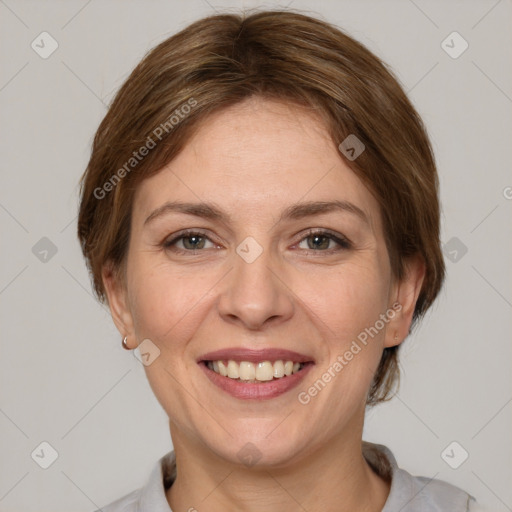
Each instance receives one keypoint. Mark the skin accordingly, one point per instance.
(309, 295)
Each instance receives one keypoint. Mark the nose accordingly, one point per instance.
(256, 294)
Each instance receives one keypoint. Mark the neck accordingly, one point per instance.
(334, 477)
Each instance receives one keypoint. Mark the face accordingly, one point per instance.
(288, 255)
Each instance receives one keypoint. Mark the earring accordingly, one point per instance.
(123, 343)
(396, 336)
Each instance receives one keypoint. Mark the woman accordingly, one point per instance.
(260, 211)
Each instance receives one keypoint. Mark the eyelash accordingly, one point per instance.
(343, 242)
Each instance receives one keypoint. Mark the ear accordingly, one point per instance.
(403, 299)
(117, 296)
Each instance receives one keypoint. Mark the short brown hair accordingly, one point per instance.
(221, 60)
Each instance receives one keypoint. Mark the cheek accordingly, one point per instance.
(168, 307)
(165, 301)
(349, 300)
(348, 307)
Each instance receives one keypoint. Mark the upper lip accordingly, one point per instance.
(255, 355)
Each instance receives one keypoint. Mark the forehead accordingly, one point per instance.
(258, 155)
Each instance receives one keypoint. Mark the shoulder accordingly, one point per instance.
(410, 493)
(476, 507)
(127, 503)
(150, 497)
(430, 493)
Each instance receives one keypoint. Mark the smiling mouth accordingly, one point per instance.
(250, 373)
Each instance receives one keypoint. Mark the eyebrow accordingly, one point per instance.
(293, 212)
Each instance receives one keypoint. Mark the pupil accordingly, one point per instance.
(316, 237)
(194, 246)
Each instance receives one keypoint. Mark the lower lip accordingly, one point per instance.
(259, 391)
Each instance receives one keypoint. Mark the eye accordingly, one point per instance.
(322, 241)
(190, 241)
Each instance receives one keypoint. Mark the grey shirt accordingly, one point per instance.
(407, 494)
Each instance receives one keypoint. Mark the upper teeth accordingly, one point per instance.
(261, 371)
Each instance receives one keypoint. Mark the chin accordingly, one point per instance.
(259, 447)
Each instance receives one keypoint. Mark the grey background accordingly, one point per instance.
(64, 377)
